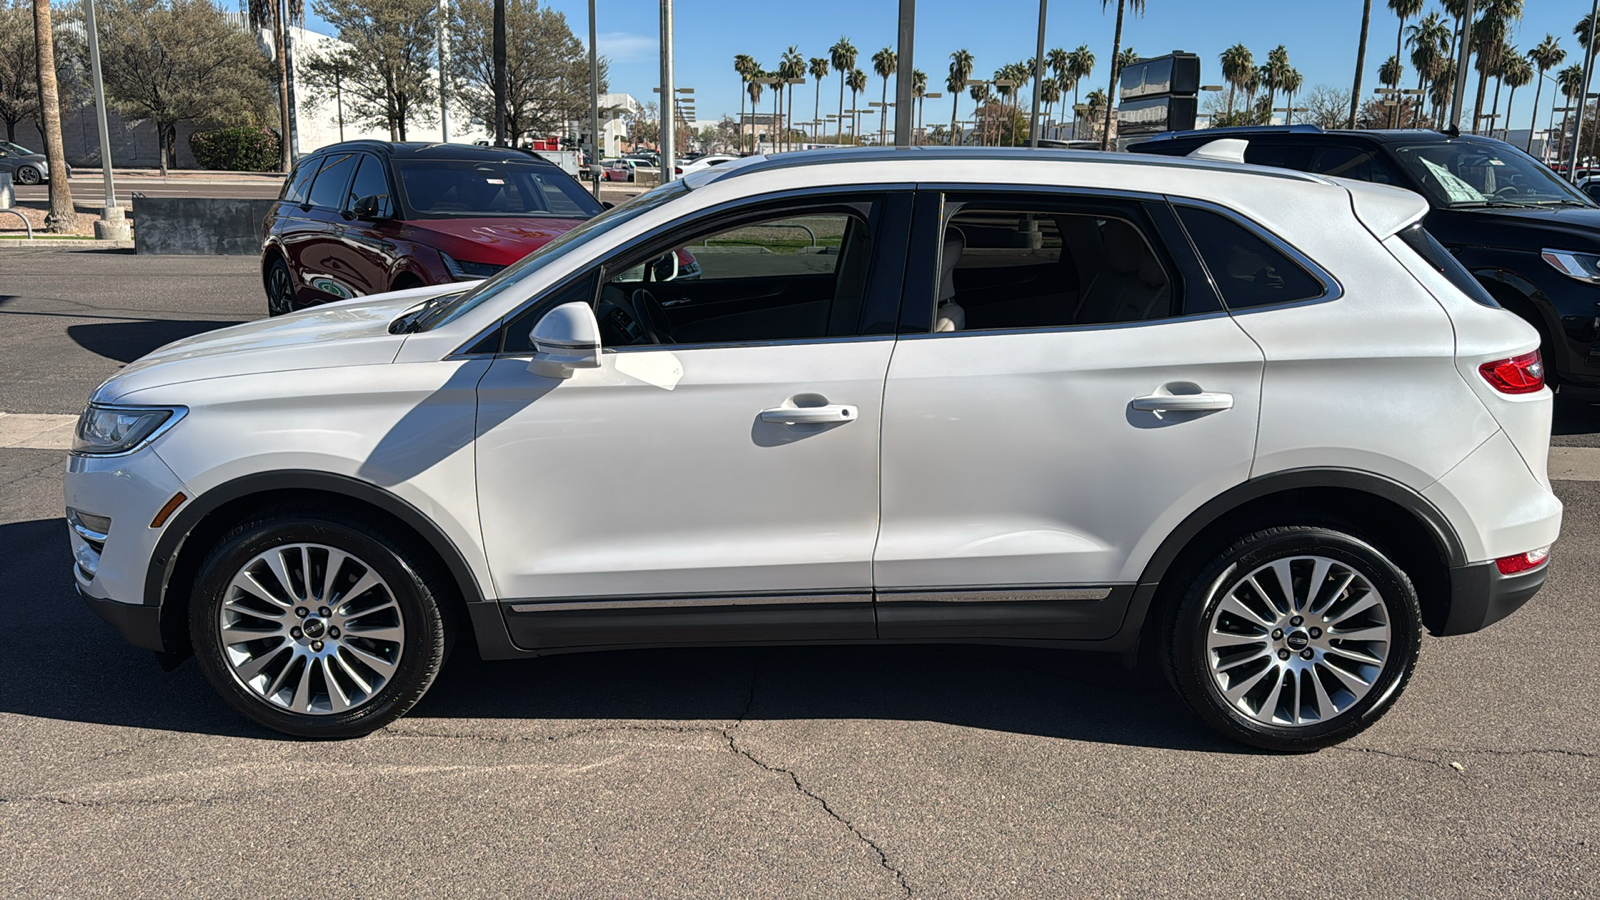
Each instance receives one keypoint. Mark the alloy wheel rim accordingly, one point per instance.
(280, 299)
(311, 629)
(1298, 641)
(28, 176)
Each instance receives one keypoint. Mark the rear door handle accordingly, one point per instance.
(810, 415)
(1205, 401)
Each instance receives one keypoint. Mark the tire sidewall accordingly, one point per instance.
(420, 658)
(1190, 663)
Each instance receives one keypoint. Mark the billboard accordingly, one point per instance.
(1176, 73)
(1153, 115)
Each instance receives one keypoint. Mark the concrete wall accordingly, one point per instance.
(194, 226)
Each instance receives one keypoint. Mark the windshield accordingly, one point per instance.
(16, 149)
(482, 188)
(453, 306)
(1463, 173)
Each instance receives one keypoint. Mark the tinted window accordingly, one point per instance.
(371, 181)
(1247, 269)
(1439, 259)
(518, 330)
(442, 188)
(1281, 154)
(1354, 162)
(294, 188)
(1028, 265)
(327, 191)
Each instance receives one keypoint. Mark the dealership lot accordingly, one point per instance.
(938, 771)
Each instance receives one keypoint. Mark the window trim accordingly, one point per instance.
(930, 214)
(883, 194)
(1332, 289)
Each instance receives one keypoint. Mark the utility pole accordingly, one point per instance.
(595, 151)
(444, 66)
(499, 73)
(1462, 59)
(1583, 96)
(904, 67)
(668, 122)
(1038, 78)
(111, 225)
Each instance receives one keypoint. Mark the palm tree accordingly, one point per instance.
(1587, 31)
(1390, 74)
(1361, 59)
(1273, 74)
(62, 218)
(919, 89)
(1236, 61)
(857, 82)
(1096, 101)
(1059, 63)
(980, 96)
(1546, 56)
(843, 56)
(960, 71)
(1570, 81)
(1291, 84)
(791, 65)
(747, 68)
(883, 63)
(1405, 9)
(1116, 60)
(1443, 88)
(818, 71)
(1516, 71)
(1489, 37)
(1049, 93)
(1080, 66)
(1428, 40)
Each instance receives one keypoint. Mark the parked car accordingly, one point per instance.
(1530, 238)
(702, 162)
(1259, 419)
(368, 217)
(25, 166)
(1590, 185)
(621, 169)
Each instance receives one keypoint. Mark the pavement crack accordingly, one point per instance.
(733, 745)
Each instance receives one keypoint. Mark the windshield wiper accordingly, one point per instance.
(413, 321)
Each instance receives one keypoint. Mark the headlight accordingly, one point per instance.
(1582, 266)
(113, 430)
(468, 271)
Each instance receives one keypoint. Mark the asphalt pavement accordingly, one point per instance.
(938, 771)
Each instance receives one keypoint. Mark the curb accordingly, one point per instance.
(57, 244)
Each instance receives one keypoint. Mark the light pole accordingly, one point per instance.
(1038, 78)
(1588, 72)
(667, 93)
(905, 66)
(594, 107)
(111, 225)
(922, 137)
(444, 65)
(1461, 70)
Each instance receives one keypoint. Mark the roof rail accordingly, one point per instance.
(1238, 129)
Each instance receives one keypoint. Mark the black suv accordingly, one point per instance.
(1528, 236)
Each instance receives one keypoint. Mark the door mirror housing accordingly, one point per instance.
(665, 267)
(564, 339)
(365, 207)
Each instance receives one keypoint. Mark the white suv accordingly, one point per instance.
(1253, 421)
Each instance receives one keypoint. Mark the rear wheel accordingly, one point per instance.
(1294, 638)
(316, 624)
(28, 175)
(280, 288)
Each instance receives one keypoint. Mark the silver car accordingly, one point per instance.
(25, 166)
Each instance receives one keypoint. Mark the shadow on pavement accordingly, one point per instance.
(66, 664)
(127, 341)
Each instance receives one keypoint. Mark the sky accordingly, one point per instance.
(1320, 37)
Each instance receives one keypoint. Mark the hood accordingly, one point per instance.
(1511, 228)
(498, 241)
(350, 333)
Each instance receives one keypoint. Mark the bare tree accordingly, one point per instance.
(547, 67)
(1327, 106)
(171, 61)
(389, 52)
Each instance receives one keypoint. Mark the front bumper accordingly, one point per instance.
(138, 625)
(1480, 596)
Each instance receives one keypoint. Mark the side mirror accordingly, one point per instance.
(566, 338)
(365, 207)
(665, 268)
(607, 204)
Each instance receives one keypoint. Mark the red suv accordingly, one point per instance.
(364, 217)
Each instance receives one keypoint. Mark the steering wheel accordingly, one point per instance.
(652, 317)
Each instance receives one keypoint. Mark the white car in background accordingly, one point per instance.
(704, 162)
(1254, 420)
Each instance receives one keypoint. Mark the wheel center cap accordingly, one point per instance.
(314, 628)
(1297, 640)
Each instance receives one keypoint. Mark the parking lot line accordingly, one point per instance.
(30, 431)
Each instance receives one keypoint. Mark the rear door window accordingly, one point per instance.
(1247, 269)
(327, 192)
(299, 181)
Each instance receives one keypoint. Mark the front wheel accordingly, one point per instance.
(1294, 638)
(28, 175)
(316, 623)
(280, 288)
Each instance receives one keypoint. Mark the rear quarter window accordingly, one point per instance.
(1440, 260)
(1248, 270)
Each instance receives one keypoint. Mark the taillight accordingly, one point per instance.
(1518, 375)
(1522, 562)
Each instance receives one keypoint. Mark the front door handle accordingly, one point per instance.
(1203, 401)
(810, 415)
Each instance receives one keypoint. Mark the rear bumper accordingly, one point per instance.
(1480, 596)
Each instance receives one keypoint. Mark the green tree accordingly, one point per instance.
(1546, 56)
(1275, 73)
(19, 67)
(843, 56)
(883, 63)
(1237, 63)
(547, 67)
(791, 65)
(389, 47)
(817, 68)
(1080, 66)
(956, 81)
(171, 61)
(1404, 9)
(1517, 72)
(1049, 93)
(1489, 41)
(857, 82)
(1058, 63)
(1137, 6)
(746, 67)
(1429, 41)
(1570, 82)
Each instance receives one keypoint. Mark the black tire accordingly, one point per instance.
(279, 285)
(409, 575)
(1188, 624)
(28, 175)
